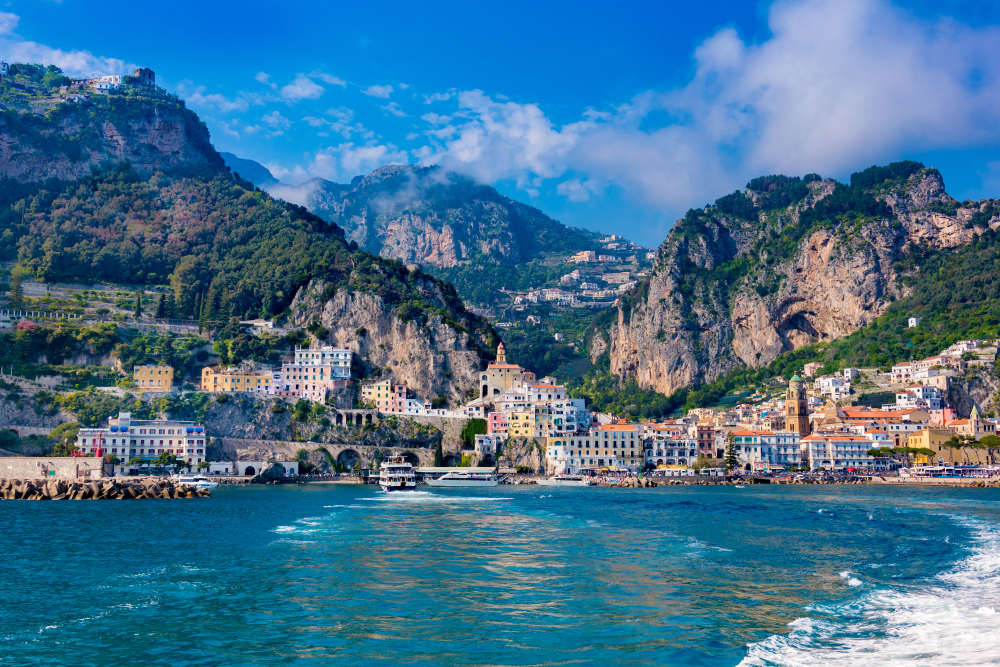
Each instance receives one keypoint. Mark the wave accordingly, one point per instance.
(949, 621)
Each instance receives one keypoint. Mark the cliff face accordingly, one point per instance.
(429, 356)
(431, 217)
(729, 291)
(72, 139)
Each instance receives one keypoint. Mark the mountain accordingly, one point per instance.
(134, 193)
(786, 263)
(249, 170)
(457, 229)
(70, 139)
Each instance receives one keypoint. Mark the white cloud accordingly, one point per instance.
(82, 64)
(264, 77)
(228, 129)
(294, 175)
(378, 91)
(302, 88)
(404, 86)
(347, 160)
(435, 119)
(439, 97)
(8, 22)
(328, 78)
(394, 109)
(197, 97)
(838, 85)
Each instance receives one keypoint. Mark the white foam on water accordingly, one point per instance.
(949, 621)
(417, 497)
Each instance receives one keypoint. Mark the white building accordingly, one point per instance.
(129, 439)
(913, 321)
(836, 451)
(488, 444)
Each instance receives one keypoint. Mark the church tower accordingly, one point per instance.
(501, 354)
(797, 407)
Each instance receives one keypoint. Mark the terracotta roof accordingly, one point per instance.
(504, 366)
(752, 433)
(617, 427)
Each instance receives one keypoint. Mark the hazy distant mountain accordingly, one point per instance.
(249, 170)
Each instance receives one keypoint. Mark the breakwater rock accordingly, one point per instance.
(60, 489)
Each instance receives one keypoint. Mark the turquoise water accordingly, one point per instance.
(318, 575)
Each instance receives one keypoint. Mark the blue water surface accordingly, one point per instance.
(348, 575)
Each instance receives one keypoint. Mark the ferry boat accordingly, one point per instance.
(462, 478)
(564, 479)
(396, 474)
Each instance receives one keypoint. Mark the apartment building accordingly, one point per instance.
(153, 378)
(129, 438)
(315, 371)
(245, 378)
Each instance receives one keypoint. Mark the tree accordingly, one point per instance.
(204, 465)
(137, 461)
(112, 459)
(472, 428)
(138, 304)
(161, 307)
(102, 313)
(16, 291)
(65, 433)
(732, 461)
(438, 455)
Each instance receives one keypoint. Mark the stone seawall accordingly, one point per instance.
(61, 489)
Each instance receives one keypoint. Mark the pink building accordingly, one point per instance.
(496, 424)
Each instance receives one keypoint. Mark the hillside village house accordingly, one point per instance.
(153, 378)
(314, 372)
(128, 438)
(245, 378)
(501, 376)
(975, 426)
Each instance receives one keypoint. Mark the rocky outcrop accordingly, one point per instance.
(523, 453)
(152, 135)
(722, 295)
(427, 216)
(427, 354)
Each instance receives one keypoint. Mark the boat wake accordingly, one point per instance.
(411, 497)
(950, 620)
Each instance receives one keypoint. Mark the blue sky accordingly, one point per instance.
(613, 116)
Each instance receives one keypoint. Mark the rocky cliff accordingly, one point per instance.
(421, 348)
(427, 216)
(152, 134)
(757, 274)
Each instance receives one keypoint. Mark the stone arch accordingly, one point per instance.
(659, 462)
(747, 467)
(339, 419)
(249, 471)
(486, 391)
(682, 462)
(368, 418)
(496, 392)
(349, 458)
(411, 458)
(357, 419)
(450, 461)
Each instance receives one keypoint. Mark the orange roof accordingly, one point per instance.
(957, 422)
(504, 366)
(874, 430)
(546, 386)
(752, 433)
(851, 438)
(617, 427)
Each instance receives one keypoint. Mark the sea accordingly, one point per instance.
(515, 575)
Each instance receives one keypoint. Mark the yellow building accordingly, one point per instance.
(378, 394)
(934, 438)
(235, 379)
(153, 378)
(521, 423)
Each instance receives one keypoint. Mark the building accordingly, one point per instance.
(488, 445)
(127, 439)
(521, 423)
(837, 451)
(315, 371)
(153, 378)
(585, 256)
(144, 77)
(501, 376)
(917, 396)
(3, 68)
(902, 373)
(245, 378)
(377, 394)
(913, 321)
(796, 407)
(810, 369)
(934, 438)
(106, 84)
(975, 426)
(497, 424)
(619, 443)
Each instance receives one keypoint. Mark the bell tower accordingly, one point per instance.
(797, 407)
(501, 354)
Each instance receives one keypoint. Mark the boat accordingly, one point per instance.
(199, 481)
(738, 486)
(396, 474)
(564, 479)
(462, 478)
